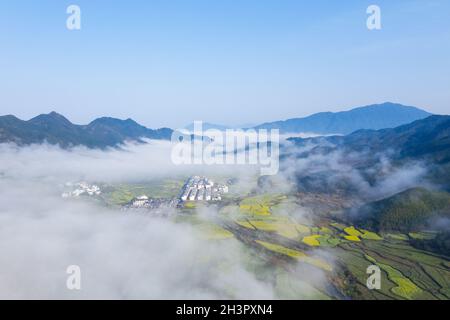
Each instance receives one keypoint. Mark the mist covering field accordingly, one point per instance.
(128, 255)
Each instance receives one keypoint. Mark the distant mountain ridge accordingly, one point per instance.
(104, 132)
(428, 138)
(54, 128)
(426, 141)
(375, 117)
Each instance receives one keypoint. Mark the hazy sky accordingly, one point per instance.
(168, 62)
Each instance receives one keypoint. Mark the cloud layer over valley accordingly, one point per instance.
(121, 255)
(125, 255)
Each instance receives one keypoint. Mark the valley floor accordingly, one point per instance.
(282, 245)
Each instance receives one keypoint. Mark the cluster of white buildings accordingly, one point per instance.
(141, 201)
(83, 188)
(202, 189)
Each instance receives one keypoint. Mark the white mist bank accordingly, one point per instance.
(126, 256)
(337, 166)
(121, 256)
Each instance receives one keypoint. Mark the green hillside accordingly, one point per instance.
(439, 244)
(407, 211)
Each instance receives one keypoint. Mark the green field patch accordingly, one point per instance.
(442, 277)
(338, 226)
(315, 230)
(357, 265)
(303, 229)
(283, 227)
(351, 231)
(312, 241)
(370, 259)
(406, 252)
(245, 224)
(352, 238)
(255, 209)
(352, 234)
(123, 193)
(287, 231)
(121, 196)
(297, 255)
(323, 240)
(397, 236)
(211, 231)
(190, 205)
(326, 230)
(422, 235)
(260, 205)
(368, 235)
(405, 287)
(327, 240)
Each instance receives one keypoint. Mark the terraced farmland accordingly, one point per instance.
(407, 273)
(277, 242)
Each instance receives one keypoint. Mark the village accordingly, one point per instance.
(202, 189)
(82, 188)
(196, 189)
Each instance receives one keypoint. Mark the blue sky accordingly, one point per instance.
(169, 62)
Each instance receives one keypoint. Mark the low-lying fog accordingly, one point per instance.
(121, 256)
